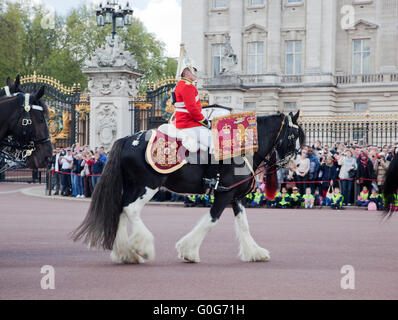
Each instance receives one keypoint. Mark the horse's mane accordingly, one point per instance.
(263, 119)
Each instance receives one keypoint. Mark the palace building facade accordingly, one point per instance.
(324, 57)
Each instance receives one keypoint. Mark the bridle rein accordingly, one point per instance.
(21, 148)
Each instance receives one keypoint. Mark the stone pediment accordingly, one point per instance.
(362, 23)
(254, 28)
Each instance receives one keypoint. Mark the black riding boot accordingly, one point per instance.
(212, 179)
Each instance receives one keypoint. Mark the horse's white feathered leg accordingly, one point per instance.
(249, 250)
(140, 246)
(120, 251)
(188, 246)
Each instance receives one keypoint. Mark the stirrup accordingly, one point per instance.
(214, 184)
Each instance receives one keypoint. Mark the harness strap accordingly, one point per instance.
(7, 91)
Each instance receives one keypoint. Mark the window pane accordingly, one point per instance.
(360, 106)
(259, 64)
(366, 45)
(298, 46)
(256, 2)
(366, 63)
(252, 65)
(220, 3)
(357, 45)
(298, 64)
(289, 46)
(252, 48)
(357, 63)
(260, 48)
(216, 48)
(289, 106)
(217, 65)
(289, 64)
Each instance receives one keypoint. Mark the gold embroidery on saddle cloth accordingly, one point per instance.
(164, 156)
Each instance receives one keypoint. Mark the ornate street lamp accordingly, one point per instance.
(113, 14)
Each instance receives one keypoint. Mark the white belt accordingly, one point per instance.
(181, 110)
(179, 105)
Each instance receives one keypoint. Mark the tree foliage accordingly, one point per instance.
(60, 50)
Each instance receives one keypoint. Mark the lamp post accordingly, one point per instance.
(112, 13)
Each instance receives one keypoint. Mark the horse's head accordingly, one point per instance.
(291, 137)
(31, 131)
(11, 87)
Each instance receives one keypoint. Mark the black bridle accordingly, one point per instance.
(18, 150)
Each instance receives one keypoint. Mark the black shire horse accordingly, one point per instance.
(128, 183)
(23, 118)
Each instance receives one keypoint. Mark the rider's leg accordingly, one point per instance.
(212, 173)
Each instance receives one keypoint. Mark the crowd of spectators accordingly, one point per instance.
(76, 170)
(337, 175)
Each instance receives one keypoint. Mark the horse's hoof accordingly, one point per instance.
(257, 255)
(187, 254)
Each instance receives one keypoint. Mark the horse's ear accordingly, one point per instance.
(17, 81)
(296, 116)
(40, 93)
(8, 82)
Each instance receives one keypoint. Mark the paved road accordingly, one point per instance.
(308, 249)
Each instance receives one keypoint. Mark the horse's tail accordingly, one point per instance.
(100, 225)
(391, 186)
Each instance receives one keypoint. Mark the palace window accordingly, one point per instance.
(360, 106)
(293, 57)
(290, 107)
(255, 56)
(217, 53)
(294, 1)
(250, 106)
(219, 3)
(256, 2)
(361, 56)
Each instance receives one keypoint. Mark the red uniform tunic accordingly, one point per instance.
(188, 108)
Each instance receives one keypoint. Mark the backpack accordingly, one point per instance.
(372, 206)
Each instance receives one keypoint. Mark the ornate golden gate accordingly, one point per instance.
(69, 109)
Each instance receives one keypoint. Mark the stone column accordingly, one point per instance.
(235, 30)
(112, 80)
(328, 49)
(274, 36)
(313, 36)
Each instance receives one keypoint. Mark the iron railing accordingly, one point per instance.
(376, 129)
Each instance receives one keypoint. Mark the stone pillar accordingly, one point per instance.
(274, 36)
(328, 50)
(112, 80)
(235, 30)
(313, 36)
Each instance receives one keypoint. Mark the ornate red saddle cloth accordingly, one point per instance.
(235, 135)
(165, 154)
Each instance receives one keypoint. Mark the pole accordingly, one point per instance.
(113, 25)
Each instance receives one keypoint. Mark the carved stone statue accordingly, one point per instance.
(112, 55)
(229, 59)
